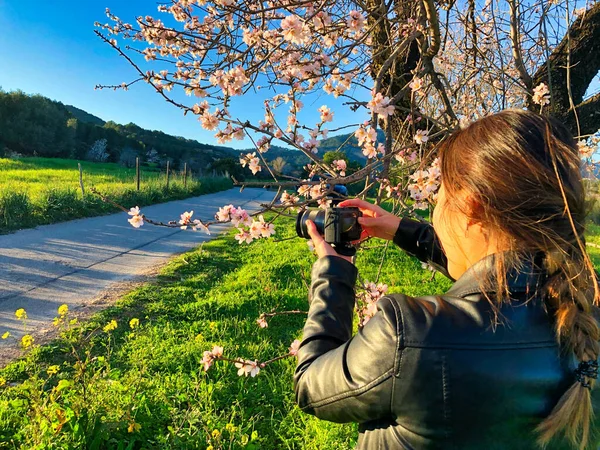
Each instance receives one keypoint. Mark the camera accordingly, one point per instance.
(338, 226)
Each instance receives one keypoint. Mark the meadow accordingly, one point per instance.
(125, 385)
(146, 388)
(36, 191)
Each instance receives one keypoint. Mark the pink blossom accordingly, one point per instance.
(243, 236)
(421, 136)
(324, 203)
(288, 199)
(207, 360)
(294, 347)
(262, 322)
(293, 30)
(355, 22)
(136, 221)
(224, 213)
(247, 367)
(340, 165)
(381, 105)
(217, 351)
(186, 219)
(135, 211)
(209, 121)
(585, 150)
(326, 114)
(316, 191)
(370, 151)
(304, 190)
(540, 94)
(198, 224)
(416, 84)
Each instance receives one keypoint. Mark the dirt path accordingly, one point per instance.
(88, 263)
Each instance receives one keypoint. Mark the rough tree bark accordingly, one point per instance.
(584, 36)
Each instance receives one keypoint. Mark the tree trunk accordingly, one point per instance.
(584, 37)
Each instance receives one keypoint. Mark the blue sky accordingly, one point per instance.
(49, 47)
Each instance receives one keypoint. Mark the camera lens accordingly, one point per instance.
(316, 215)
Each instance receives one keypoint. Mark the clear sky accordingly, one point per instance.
(49, 47)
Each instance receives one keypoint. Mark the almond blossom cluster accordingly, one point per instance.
(366, 301)
(246, 367)
(186, 221)
(541, 94)
(137, 219)
(588, 147)
(380, 105)
(290, 200)
(248, 228)
(367, 138)
(315, 192)
(252, 161)
(424, 185)
(341, 166)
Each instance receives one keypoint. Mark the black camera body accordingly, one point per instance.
(338, 226)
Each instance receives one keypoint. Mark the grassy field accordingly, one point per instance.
(35, 191)
(145, 388)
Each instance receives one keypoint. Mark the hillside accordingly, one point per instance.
(84, 116)
(34, 125)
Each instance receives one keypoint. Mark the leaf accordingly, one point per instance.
(63, 384)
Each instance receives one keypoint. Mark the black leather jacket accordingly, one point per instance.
(432, 372)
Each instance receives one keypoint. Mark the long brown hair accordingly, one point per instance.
(524, 171)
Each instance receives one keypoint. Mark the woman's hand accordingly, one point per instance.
(376, 221)
(322, 248)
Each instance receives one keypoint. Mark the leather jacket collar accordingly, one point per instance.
(527, 275)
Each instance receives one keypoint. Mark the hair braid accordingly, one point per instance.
(568, 293)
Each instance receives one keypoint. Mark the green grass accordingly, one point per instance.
(36, 191)
(153, 377)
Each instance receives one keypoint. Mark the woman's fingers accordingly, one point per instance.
(355, 202)
(369, 221)
(322, 248)
(364, 206)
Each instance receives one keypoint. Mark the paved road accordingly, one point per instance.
(75, 262)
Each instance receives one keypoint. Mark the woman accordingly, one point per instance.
(507, 358)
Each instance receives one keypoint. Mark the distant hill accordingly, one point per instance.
(84, 116)
(34, 125)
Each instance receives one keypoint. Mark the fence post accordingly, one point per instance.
(185, 175)
(137, 171)
(81, 180)
(168, 165)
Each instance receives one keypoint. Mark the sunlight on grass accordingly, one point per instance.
(35, 191)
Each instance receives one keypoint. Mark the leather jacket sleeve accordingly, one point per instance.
(419, 240)
(341, 378)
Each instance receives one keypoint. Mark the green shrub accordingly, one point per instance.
(57, 204)
(15, 210)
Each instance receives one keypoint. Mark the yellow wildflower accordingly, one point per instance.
(2, 381)
(56, 321)
(110, 326)
(53, 370)
(216, 434)
(212, 326)
(6, 335)
(134, 427)
(27, 341)
(21, 314)
(210, 447)
(72, 321)
(230, 427)
(63, 310)
(134, 323)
